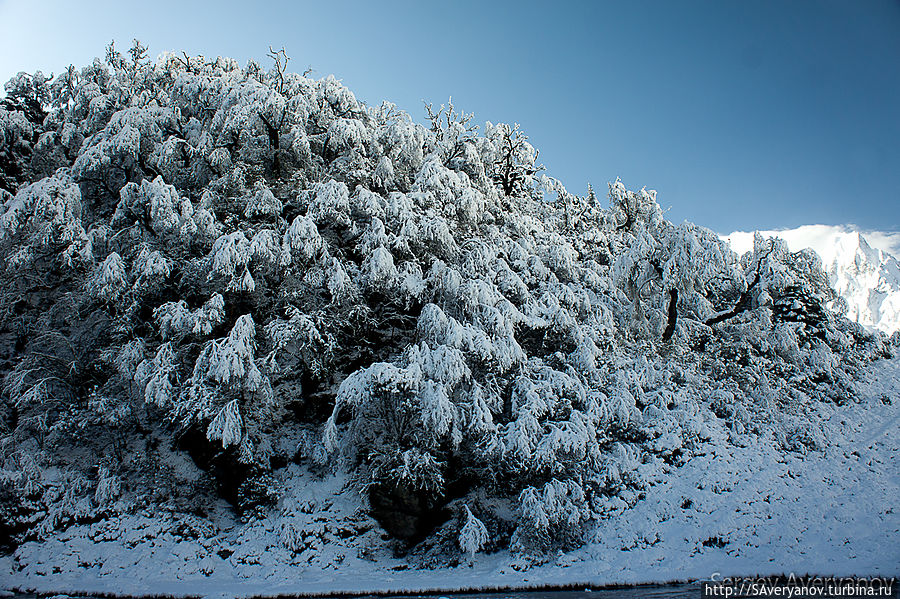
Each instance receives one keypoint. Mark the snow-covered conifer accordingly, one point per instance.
(227, 426)
(473, 535)
(111, 279)
(108, 486)
(263, 203)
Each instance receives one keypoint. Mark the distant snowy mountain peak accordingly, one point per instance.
(861, 267)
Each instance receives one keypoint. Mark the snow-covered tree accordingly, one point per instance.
(226, 380)
(473, 534)
(229, 259)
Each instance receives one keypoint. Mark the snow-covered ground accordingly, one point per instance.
(736, 509)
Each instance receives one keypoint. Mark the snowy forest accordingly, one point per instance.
(251, 272)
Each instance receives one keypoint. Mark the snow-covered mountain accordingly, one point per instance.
(861, 266)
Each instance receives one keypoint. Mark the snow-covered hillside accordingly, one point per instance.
(251, 326)
(737, 510)
(864, 272)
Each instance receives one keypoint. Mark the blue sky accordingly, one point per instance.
(743, 115)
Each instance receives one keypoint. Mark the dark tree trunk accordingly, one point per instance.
(673, 315)
(742, 305)
(274, 141)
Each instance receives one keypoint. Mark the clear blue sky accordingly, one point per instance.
(743, 115)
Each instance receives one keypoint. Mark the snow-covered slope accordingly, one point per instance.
(736, 510)
(862, 267)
